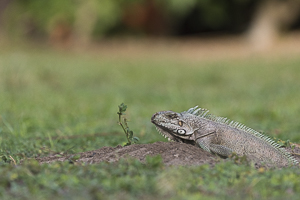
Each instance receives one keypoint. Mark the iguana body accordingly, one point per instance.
(220, 136)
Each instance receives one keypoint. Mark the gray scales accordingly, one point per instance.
(221, 136)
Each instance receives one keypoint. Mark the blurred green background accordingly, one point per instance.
(65, 66)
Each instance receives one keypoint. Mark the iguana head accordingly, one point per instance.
(174, 126)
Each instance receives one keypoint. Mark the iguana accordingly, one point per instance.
(221, 136)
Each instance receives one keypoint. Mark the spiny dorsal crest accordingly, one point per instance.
(204, 113)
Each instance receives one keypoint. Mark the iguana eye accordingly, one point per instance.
(180, 123)
(181, 131)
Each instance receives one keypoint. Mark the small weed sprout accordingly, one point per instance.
(124, 125)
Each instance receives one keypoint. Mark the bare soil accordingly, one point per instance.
(172, 153)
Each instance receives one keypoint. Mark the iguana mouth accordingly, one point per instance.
(170, 137)
(164, 134)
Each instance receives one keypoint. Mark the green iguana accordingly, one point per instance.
(221, 136)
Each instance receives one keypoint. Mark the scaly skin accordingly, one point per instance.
(220, 136)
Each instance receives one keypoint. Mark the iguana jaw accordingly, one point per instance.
(167, 135)
(175, 139)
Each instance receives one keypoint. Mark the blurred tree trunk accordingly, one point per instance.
(86, 18)
(270, 19)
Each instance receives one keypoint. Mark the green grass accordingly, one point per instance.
(47, 97)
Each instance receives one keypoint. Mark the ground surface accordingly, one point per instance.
(172, 153)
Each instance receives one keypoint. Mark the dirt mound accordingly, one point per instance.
(172, 153)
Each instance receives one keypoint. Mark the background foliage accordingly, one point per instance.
(110, 17)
